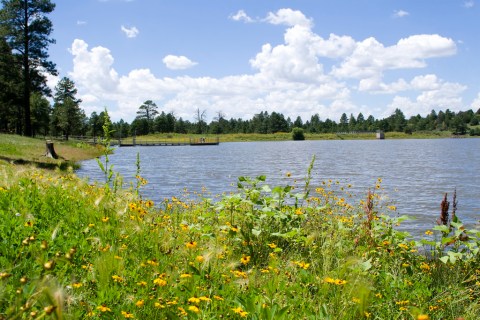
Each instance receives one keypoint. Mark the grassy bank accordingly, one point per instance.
(71, 250)
(22, 150)
(285, 136)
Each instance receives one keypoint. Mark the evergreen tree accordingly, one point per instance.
(41, 111)
(27, 30)
(10, 85)
(148, 111)
(67, 117)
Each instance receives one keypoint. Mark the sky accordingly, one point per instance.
(241, 57)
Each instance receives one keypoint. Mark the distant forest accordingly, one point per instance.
(149, 120)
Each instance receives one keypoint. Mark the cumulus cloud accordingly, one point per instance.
(400, 13)
(241, 16)
(476, 103)
(289, 18)
(442, 95)
(304, 75)
(178, 62)
(371, 58)
(130, 32)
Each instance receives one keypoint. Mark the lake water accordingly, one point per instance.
(415, 173)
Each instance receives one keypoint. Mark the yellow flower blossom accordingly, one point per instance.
(77, 285)
(185, 275)
(194, 309)
(142, 283)
(127, 315)
(200, 258)
(103, 308)
(272, 245)
(191, 244)
(245, 260)
(160, 282)
(428, 233)
(194, 300)
(218, 298)
(423, 317)
(140, 303)
(105, 219)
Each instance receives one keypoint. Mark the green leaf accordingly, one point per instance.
(256, 232)
(444, 259)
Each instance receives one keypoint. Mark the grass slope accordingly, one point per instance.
(22, 150)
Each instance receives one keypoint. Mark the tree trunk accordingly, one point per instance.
(50, 150)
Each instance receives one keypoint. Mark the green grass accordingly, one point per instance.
(22, 150)
(72, 250)
(284, 136)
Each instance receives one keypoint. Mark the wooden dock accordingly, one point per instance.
(133, 142)
(167, 143)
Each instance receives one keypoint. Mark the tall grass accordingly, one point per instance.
(74, 250)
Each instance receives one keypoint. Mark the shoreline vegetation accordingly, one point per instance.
(70, 249)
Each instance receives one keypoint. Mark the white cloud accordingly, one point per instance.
(241, 16)
(400, 14)
(130, 32)
(469, 4)
(371, 58)
(178, 62)
(289, 18)
(443, 95)
(81, 23)
(304, 75)
(476, 103)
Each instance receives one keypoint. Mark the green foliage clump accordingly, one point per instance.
(72, 250)
(298, 134)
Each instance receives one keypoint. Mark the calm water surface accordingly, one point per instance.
(416, 173)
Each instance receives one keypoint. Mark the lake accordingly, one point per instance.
(415, 173)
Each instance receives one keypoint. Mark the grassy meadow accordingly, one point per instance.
(70, 249)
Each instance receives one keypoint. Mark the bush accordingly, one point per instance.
(298, 134)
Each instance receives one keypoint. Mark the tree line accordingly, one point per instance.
(24, 108)
(149, 120)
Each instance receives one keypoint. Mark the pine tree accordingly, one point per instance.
(27, 31)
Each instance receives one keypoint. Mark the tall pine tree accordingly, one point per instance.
(27, 30)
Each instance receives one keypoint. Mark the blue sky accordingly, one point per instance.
(240, 57)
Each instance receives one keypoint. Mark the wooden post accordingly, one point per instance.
(50, 150)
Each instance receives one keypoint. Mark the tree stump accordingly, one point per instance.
(50, 150)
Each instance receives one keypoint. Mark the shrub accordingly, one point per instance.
(298, 134)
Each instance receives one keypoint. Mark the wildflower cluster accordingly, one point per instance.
(74, 250)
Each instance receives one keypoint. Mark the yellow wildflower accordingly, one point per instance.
(194, 309)
(191, 244)
(160, 282)
(140, 303)
(423, 317)
(127, 315)
(272, 245)
(103, 308)
(245, 260)
(194, 300)
(200, 258)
